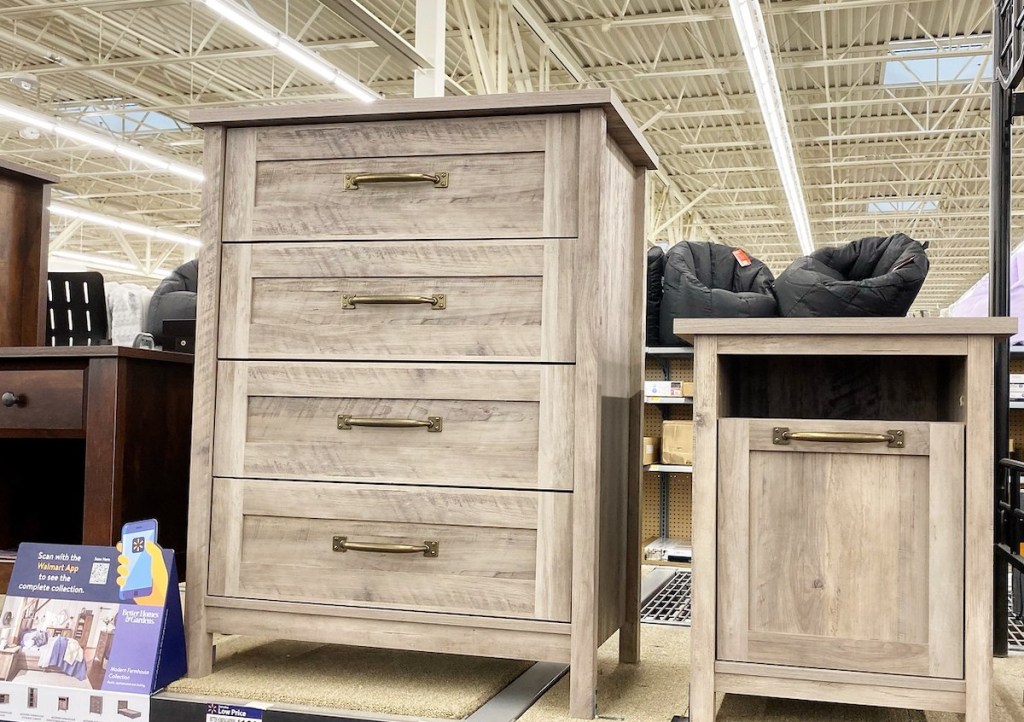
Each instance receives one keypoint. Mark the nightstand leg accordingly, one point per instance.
(582, 693)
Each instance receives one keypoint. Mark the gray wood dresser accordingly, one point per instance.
(418, 378)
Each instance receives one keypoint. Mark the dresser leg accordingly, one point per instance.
(582, 694)
(200, 653)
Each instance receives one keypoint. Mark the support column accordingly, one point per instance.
(430, 37)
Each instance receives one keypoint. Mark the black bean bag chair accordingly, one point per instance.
(711, 280)
(174, 298)
(873, 276)
(655, 272)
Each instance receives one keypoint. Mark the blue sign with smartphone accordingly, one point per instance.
(93, 627)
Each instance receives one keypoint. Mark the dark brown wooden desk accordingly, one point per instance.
(91, 437)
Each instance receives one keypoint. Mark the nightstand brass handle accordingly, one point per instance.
(432, 424)
(437, 301)
(427, 549)
(893, 438)
(352, 180)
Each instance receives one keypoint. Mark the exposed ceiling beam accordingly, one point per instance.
(363, 20)
(528, 11)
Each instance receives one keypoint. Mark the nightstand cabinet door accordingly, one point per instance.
(843, 549)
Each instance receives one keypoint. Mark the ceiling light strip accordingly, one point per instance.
(99, 219)
(753, 36)
(97, 140)
(109, 264)
(299, 54)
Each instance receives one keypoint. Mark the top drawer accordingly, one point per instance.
(510, 177)
(48, 399)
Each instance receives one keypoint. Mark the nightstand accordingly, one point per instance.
(8, 663)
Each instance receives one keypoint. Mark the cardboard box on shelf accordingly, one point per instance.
(652, 449)
(677, 442)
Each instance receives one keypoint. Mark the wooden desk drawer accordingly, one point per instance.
(499, 553)
(502, 178)
(50, 399)
(501, 425)
(502, 301)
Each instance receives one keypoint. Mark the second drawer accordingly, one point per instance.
(489, 425)
(413, 300)
(495, 553)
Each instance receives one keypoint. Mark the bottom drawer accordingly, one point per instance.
(497, 553)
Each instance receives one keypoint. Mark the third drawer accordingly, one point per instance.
(491, 425)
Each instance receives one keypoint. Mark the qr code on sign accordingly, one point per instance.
(99, 573)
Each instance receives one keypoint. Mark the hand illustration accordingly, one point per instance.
(158, 595)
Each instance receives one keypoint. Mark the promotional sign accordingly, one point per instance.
(87, 633)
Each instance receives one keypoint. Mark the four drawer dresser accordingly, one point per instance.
(418, 378)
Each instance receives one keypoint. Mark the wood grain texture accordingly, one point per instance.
(238, 186)
(621, 274)
(629, 635)
(979, 529)
(588, 422)
(866, 679)
(284, 418)
(51, 398)
(433, 633)
(690, 327)
(945, 551)
(877, 605)
(561, 182)
(862, 345)
(706, 409)
(24, 243)
(522, 134)
(733, 619)
(505, 300)
(841, 692)
(199, 638)
(620, 125)
(490, 546)
(488, 196)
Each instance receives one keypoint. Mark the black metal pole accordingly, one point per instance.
(999, 305)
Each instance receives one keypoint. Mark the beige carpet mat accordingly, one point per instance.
(358, 679)
(656, 689)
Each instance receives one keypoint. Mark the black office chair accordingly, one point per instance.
(76, 309)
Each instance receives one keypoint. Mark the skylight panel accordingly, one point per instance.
(967, 56)
(902, 206)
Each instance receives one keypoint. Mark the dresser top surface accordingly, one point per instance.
(620, 124)
(688, 328)
(87, 352)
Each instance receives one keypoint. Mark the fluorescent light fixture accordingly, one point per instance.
(292, 49)
(746, 14)
(96, 140)
(110, 264)
(99, 219)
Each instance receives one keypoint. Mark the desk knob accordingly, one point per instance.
(11, 399)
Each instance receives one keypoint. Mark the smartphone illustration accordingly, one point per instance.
(134, 537)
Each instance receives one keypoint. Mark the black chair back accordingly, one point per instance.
(76, 309)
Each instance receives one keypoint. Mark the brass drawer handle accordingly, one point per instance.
(437, 301)
(427, 549)
(433, 424)
(893, 438)
(352, 180)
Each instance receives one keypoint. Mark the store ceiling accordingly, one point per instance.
(887, 102)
